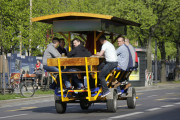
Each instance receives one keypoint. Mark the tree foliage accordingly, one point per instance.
(159, 19)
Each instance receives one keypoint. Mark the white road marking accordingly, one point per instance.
(177, 103)
(70, 107)
(152, 109)
(169, 93)
(13, 116)
(167, 106)
(139, 93)
(152, 96)
(126, 105)
(100, 103)
(23, 108)
(126, 115)
(167, 99)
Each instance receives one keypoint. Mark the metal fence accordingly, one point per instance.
(170, 70)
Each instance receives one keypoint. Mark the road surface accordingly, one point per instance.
(153, 104)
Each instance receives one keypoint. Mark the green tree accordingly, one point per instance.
(14, 19)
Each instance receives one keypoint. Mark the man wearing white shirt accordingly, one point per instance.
(109, 53)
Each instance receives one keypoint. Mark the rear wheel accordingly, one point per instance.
(27, 89)
(112, 103)
(60, 106)
(131, 101)
(85, 104)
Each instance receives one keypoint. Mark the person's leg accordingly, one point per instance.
(50, 68)
(103, 73)
(38, 79)
(75, 79)
(100, 67)
(66, 79)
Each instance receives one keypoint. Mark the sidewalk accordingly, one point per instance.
(26, 101)
(46, 98)
(167, 85)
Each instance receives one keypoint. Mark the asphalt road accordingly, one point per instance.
(153, 104)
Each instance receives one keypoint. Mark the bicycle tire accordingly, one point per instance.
(27, 89)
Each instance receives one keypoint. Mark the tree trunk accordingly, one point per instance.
(177, 62)
(149, 52)
(163, 61)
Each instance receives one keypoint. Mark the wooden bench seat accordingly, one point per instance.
(76, 61)
(77, 72)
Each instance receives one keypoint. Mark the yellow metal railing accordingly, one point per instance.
(110, 76)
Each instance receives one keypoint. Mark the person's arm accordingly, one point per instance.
(101, 53)
(64, 51)
(89, 53)
(71, 54)
(54, 52)
(40, 67)
(118, 51)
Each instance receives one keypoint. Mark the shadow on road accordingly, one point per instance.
(74, 109)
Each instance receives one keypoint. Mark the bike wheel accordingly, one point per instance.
(27, 90)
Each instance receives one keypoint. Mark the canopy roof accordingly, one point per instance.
(81, 16)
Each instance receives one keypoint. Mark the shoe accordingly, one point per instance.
(106, 93)
(53, 86)
(82, 88)
(59, 91)
(119, 93)
(107, 81)
(70, 88)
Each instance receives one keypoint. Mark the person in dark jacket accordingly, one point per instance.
(78, 51)
(61, 48)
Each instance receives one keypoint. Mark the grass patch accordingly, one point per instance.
(176, 81)
(17, 96)
(10, 96)
(38, 92)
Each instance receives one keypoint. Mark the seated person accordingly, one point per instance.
(38, 72)
(51, 52)
(123, 55)
(108, 50)
(78, 51)
(136, 61)
(124, 58)
(132, 50)
(130, 64)
(61, 48)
